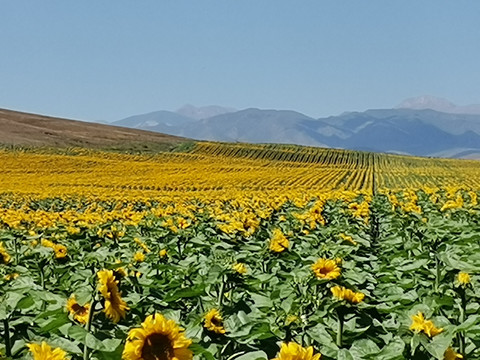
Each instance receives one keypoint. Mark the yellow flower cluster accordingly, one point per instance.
(313, 215)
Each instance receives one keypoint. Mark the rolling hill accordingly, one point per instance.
(24, 129)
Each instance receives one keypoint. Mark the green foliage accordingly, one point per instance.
(404, 263)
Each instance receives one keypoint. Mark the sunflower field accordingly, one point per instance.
(238, 252)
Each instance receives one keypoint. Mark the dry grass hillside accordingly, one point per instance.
(31, 130)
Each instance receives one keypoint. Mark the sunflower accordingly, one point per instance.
(214, 322)
(430, 329)
(119, 272)
(11, 276)
(4, 256)
(139, 256)
(79, 312)
(240, 268)
(343, 293)
(157, 339)
(348, 238)
(326, 269)
(278, 242)
(163, 253)
(45, 352)
(60, 251)
(463, 278)
(450, 354)
(115, 307)
(419, 324)
(292, 351)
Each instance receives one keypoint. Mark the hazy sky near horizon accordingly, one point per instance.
(106, 60)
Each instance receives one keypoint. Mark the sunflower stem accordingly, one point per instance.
(15, 242)
(8, 346)
(179, 248)
(88, 327)
(437, 273)
(340, 328)
(463, 310)
(221, 292)
(42, 277)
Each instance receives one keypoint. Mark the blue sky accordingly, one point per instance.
(106, 60)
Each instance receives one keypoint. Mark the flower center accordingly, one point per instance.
(216, 321)
(325, 270)
(157, 347)
(78, 309)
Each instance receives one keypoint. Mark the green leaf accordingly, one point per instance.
(364, 347)
(439, 344)
(55, 323)
(25, 303)
(194, 291)
(472, 321)
(393, 351)
(77, 333)
(344, 354)
(256, 355)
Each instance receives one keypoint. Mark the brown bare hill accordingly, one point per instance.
(31, 130)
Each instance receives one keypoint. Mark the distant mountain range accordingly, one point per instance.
(423, 126)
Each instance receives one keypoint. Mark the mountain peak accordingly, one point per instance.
(438, 104)
(199, 113)
(427, 102)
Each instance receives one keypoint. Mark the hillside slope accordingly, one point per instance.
(24, 129)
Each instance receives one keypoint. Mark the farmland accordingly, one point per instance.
(255, 251)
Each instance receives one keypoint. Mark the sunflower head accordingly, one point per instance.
(451, 354)
(11, 276)
(43, 351)
(326, 269)
(157, 339)
(240, 268)
(115, 306)
(60, 251)
(430, 329)
(343, 293)
(79, 312)
(419, 324)
(463, 278)
(214, 322)
(278, 242)
(293, 351)
(4, 256)
(139, 256)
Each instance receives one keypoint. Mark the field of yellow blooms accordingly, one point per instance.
(238, 252)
